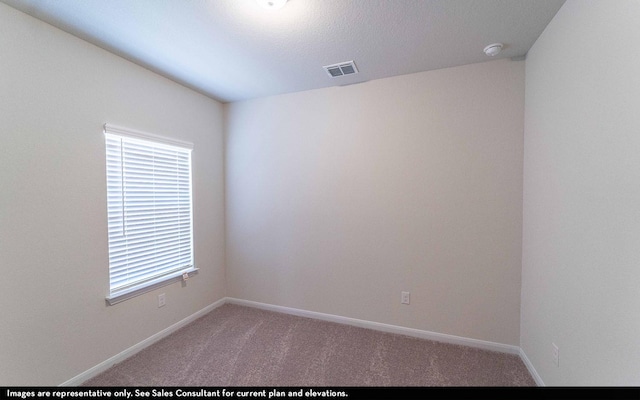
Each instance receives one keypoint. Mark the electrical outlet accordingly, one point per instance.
(556, 354)
(405, 298)
(162, 300)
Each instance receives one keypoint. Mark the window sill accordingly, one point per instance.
(132, 292)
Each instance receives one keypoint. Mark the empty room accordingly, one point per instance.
(319, 193)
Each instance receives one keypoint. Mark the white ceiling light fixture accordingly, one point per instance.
(493, 50)
(272, 4)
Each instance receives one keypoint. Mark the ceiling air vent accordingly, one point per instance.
(339, 69)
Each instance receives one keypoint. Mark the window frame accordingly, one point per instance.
(151, 283)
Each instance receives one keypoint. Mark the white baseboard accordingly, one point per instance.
(103, 366)
(532, 370)
(440, 337)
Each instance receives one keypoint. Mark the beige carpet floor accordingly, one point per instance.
(241, 346)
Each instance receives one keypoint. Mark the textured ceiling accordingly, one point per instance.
(233, 50)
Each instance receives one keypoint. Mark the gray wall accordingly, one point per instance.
(338, 199)
(56, 92)
(581, 238)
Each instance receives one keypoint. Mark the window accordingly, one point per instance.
(149, 212)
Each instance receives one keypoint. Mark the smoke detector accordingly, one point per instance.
(493, 49)
(340, 69)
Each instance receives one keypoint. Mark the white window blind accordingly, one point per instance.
(149, 211)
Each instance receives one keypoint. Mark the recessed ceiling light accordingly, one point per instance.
(493, 49)
(272, 4)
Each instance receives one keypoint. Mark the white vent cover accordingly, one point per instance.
(340, 69)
